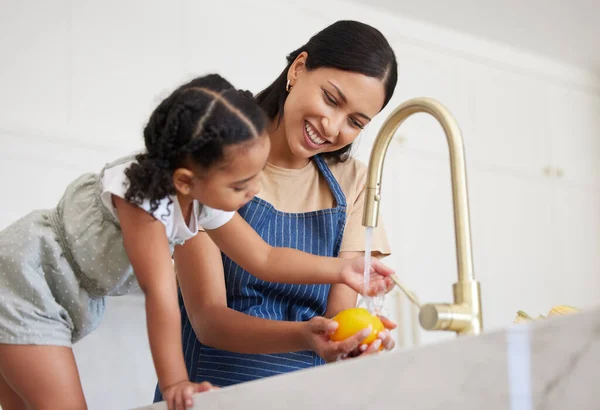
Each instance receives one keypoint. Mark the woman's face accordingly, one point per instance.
(327, 108)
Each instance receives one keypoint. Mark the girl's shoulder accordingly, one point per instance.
(113, 181)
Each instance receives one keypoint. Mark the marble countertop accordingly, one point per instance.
(546, 365)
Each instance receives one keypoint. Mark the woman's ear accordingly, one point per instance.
(297, 68)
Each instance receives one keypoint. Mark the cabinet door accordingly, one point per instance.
(513, 239)
(512, 236)
(576, 216)
(427, 73)
(510, 122)
(575, 135)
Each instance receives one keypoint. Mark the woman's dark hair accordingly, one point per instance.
(194, 124)
(344, 45)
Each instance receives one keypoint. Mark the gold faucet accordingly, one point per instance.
(464, 315)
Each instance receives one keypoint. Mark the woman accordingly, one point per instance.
(238, 328)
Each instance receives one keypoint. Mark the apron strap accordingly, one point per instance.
(340, 198)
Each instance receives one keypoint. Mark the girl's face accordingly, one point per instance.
(327, 108)
(232, 183)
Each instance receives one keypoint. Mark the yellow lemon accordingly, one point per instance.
(352, 321)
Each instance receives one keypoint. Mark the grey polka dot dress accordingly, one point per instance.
(57, 266)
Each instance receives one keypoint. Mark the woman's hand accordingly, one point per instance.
(319, 330)
(317, 333)
(384, 339)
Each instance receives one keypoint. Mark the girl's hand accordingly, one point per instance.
(380, 282)
(179, 395)
(318, 331)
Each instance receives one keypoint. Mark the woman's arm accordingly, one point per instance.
(201, 278)
(242, 244)
(202, 282)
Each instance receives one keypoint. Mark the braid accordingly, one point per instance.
(194, 123)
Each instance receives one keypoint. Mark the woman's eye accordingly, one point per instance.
(356, 124)
(329, 98)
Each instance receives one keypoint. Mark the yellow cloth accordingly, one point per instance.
(555, 311)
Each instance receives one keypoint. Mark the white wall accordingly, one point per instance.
(79, 79)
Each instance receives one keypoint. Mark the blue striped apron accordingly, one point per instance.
(317, 232)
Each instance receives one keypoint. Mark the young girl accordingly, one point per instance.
(206, 146)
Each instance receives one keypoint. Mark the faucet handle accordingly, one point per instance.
(411, 296)
(446, 316)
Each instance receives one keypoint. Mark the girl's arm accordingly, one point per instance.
(201, 278)
(242, 244)
(342, 297)
(147, 247)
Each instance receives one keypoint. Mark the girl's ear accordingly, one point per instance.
(182, 180)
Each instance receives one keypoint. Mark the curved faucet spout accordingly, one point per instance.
(464, 316)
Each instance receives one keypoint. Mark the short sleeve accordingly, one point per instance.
(355, 233)
(114, 182)
(211, 218)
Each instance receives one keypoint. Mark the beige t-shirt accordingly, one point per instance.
(305, 189)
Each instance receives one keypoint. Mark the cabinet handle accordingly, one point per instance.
(400, 139)
(556, 172)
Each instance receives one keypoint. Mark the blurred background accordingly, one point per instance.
(79, 79)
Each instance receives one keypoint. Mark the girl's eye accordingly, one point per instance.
(239, 189)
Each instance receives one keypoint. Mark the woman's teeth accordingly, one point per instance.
(313, 135)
